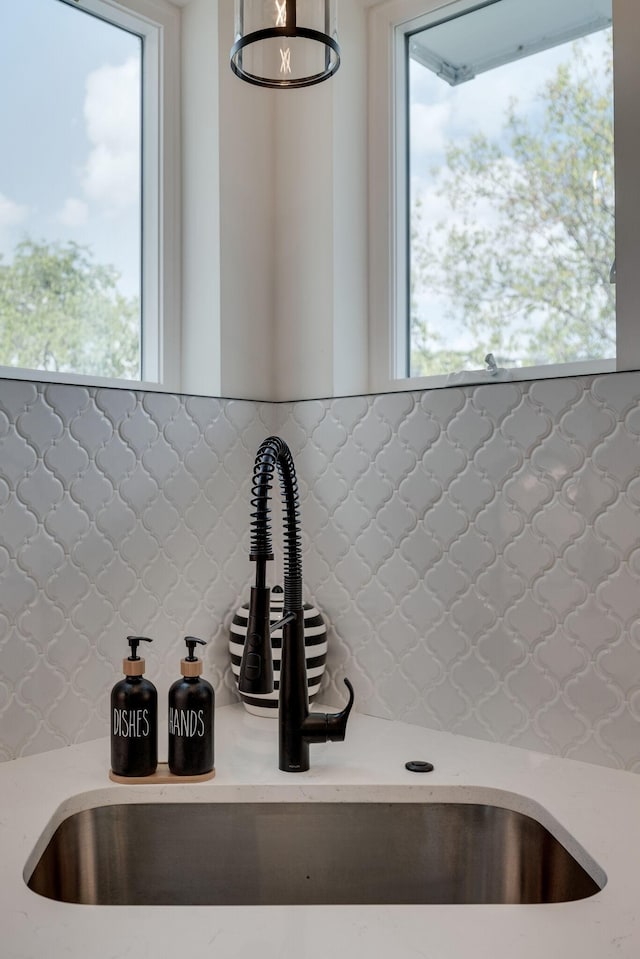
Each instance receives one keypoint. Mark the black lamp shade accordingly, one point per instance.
(285, 44)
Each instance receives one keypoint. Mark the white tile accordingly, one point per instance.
(476, 551)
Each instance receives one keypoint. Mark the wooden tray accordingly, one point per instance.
(161, 776)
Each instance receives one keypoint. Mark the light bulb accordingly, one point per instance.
(285, 61)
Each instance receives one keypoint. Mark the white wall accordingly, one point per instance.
(228, 214)
(201, 273)
(627, 136)
(350, 205)
(274, 220)
(321, 227)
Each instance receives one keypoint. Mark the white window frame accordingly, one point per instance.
(388, 254)
(158, 23)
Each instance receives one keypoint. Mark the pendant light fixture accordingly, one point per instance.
(285, 44)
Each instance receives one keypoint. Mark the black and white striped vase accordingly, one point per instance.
(315, 642)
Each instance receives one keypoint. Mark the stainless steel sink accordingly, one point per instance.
(306, 853)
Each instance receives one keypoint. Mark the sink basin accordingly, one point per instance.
(312, 853)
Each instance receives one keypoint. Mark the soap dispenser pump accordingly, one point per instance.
(134, 718)
(191, 705)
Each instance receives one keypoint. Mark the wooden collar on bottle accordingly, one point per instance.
(133, 667)
(191, 669)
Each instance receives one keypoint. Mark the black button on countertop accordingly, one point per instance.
(419, 766)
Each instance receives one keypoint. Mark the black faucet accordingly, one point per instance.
(297, 727)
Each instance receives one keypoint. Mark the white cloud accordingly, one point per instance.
(429, 128)
(74, 213)
(11, 213)
(441, 113)
(436, 195)
(112, 117)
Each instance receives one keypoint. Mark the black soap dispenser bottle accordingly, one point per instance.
(134, 718)
(191, 705)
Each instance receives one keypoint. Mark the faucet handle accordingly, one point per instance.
(328, 727)
(288, 618)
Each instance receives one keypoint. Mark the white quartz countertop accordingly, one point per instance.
(598, 807)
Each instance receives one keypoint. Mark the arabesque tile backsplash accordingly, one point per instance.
(474, 549)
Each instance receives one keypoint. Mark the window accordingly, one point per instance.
(492, 201)
(85, 279)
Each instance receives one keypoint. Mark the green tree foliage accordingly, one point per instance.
(60, 311)
(523, 261)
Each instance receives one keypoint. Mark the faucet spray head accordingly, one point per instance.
(256, 668)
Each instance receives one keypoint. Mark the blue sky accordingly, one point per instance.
(69, 162)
